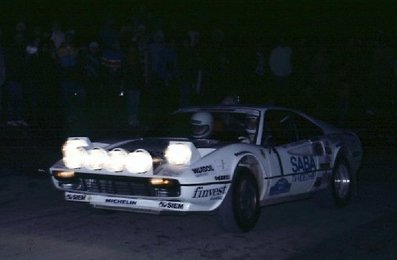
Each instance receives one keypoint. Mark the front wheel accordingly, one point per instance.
(240, 210)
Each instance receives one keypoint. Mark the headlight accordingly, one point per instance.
(139, 161)
(64, 175)
(178, 153)
(74, 152)
(116, 160)
(160, 182)
(96, 158)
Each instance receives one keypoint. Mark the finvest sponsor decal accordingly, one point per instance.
(213, 193)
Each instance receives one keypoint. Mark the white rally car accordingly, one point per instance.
(230, 160)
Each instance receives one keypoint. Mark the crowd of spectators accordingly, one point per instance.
(143, 68)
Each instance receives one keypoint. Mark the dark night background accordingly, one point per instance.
(36, 223)
(246, 24)
(310, 18)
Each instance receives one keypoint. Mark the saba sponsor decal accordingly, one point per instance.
(302, 164)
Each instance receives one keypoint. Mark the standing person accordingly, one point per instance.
(72, 92)
(257, 70)
(188, 70)
(168, 75)
(108, 33)
(2, 74)
(48, 108)
(217, 68)
(319, 69)
(382, 72)
(162, 74)
(92, 75)
(57, 35)
(15, 68)
(31, 83)
(133, 81)
(343, 90)
(112, 60)
(281, 68)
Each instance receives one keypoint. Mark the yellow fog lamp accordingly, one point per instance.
(116, 160)
(139, 161)
(96, 158)
(178, 153)
(74, 152)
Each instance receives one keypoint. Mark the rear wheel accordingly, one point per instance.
(240, 210)
(340, 187)
(342, 184)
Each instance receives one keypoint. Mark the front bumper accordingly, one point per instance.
(117, 185)
(140, 194)
(128, 204)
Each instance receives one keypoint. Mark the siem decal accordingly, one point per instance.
(213, 193)
(281, 186)
(203, 170)
(222, 178)
(302, 164)
(170, 205)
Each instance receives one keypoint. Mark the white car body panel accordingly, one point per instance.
(281, 171)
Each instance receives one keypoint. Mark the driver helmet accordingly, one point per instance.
(202, 123)
(251, 124)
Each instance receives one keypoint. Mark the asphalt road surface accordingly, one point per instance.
(36, 222)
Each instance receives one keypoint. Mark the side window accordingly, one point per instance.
(306, 129)
(279, 128)
(288, 129)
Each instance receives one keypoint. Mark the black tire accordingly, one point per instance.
(340, 188)
(240, 209)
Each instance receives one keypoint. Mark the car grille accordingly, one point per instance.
(119, 185)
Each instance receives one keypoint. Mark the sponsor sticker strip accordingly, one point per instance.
(137, 203)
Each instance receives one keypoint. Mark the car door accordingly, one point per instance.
(294, 157)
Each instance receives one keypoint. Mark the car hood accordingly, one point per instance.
(157, 145)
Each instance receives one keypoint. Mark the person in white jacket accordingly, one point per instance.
(281, 68)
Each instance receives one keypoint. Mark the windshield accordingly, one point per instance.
(224, 126)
